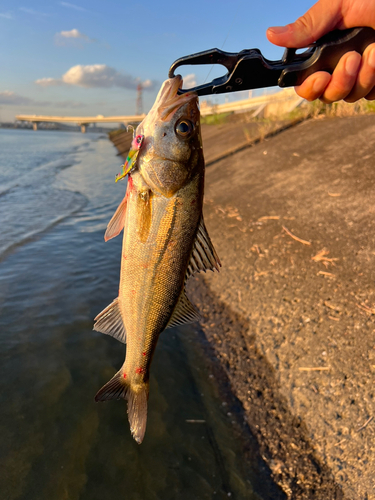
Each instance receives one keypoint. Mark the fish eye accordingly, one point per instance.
(184, 128)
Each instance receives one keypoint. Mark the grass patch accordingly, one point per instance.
(215, 119)
(336, 109)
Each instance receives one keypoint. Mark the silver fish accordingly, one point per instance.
(165, 242)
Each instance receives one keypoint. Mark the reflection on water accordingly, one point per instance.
(57, 443)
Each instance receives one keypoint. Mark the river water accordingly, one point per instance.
(57, 193)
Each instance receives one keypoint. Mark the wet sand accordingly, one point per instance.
(290, 316)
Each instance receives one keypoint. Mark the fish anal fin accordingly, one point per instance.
(184, 312)
(109, 321)
(136, 395)
(116, 388)
(116, 224)
(203, 256)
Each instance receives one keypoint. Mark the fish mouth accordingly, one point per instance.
(169, 101)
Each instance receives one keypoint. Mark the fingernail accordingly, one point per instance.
(278, 30)
(352, 64)
(371, 58)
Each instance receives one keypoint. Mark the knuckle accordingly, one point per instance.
(305, 23)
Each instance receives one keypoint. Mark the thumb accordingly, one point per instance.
(323, 17)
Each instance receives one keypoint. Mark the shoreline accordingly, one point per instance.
(281, 438)
(289, 317)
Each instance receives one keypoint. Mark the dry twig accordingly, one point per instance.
(329, 275)
(304, 242)
(314, 368)
(255, 248)
(369, 310)
(321, 257)
(340, 442)
(365, 424)
(269, 217)
(334, 308)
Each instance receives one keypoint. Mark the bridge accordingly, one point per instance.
(82, 121)
(280, 102)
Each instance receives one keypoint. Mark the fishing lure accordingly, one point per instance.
(132, 157)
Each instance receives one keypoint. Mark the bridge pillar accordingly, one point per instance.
(83, 128)
(35, 126)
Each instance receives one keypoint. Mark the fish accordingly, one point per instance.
(165, 241)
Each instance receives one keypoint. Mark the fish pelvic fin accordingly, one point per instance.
(109, 321)
(203, 256)
(135, 394)
(116, 224)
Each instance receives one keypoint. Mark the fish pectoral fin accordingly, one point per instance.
(116, 224)
(184, 312)
(136, 395)
(204, 256)
(109, 321)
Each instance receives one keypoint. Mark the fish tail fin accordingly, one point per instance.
(136, 395)
(137, 411)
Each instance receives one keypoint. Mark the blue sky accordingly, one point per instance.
(85, 58)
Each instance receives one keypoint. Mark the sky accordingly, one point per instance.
(85, 58)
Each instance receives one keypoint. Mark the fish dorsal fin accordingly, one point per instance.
(184, 312)
(116, 224)
(109, 321)
(204, 255)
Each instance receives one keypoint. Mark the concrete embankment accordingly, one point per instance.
(291, 314)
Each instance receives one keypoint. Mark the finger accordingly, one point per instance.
(371, 95)
(314, 86)
(324, 16)
(343, 78)
(366, 76)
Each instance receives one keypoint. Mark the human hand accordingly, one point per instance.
(354, 75)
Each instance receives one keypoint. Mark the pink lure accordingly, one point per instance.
(132, 157)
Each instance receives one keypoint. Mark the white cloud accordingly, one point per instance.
(72, 38)
(189, 81)
(5, 15)
(73, 6)
(48, 82)
(73, 34)
(96, 76)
